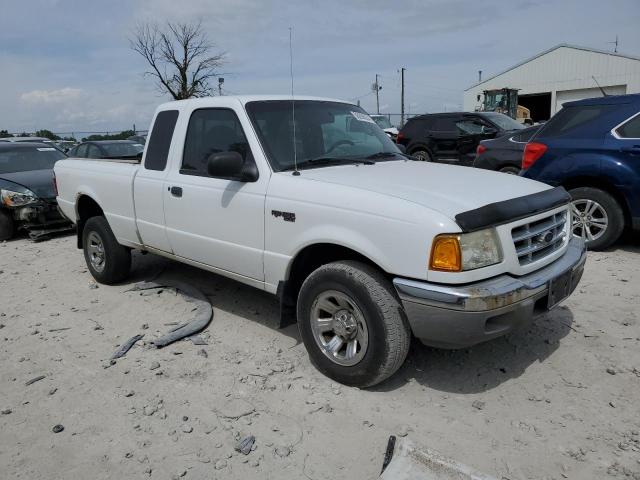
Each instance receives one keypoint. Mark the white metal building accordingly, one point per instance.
(560, 74)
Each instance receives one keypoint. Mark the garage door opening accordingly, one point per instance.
(539, 105)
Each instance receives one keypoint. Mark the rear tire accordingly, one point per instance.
(107, 260)
(7, 226)
(349, 303)
(597, 217)
(422, 155)
(511, 170)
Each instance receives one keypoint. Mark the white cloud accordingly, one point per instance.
(52, 96)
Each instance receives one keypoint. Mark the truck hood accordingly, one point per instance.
(39, 182)
(448, 189)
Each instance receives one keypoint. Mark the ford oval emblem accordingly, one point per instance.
(544, 237)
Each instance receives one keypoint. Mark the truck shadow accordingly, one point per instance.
(224, 294)
(485, 366)
(470, 370)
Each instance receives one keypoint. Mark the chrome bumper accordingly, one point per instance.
(457, 316)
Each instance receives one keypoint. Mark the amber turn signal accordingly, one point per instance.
(445, 254)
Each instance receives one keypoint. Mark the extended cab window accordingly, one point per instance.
(630, 129)
(160, 140)
(211, 130)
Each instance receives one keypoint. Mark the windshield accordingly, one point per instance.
(382, 121)
(340, 131)
(502, 121)
(123, 149)
(23, 159)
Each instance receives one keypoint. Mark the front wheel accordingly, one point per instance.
(107, 260)
(597, 217)
(352, 323)
(511, 170)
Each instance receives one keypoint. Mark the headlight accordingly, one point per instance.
(465, 251)
(9, 198)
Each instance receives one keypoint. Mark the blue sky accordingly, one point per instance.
(66, 65)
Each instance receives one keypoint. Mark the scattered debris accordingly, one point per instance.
(34, 380)
(478, 404)
(244, 445)
(203, 353)
(203, 311)
(611, 371)
(57, 428)
(59, 329)
(6, 411)
(220, 464)
(130, 393)
(187, 428)
(154, 366)
(197, 340)
(53, 391)
(125, 347)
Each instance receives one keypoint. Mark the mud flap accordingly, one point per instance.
(404, 461)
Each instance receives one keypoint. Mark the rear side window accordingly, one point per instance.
(160, 140)
(630, 129)
(445, 124)
(211, 130)
(569, 120)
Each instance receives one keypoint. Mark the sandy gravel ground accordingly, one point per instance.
(559, 400)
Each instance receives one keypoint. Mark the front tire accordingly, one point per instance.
(352, 323)
(597, 217)
(7, 226)
(107, 260)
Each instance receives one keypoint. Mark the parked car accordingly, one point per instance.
(504, 154)
(107, 149)
(27, 193)
(592, 148)
(385, 124)
(366, 246)
(452, 137)
(49, 142)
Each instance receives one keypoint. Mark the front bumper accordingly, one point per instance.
(41, 219)
(458, 316)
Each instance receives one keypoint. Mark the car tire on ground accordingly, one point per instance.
(107, 260)
(597, 217)
(511, 170)
(352, 323)
(7, 227)
(422, 155)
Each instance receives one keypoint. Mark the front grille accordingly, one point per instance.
(536, 240)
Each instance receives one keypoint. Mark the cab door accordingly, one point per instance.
(443, 139)
(216, 221)
(470, 131)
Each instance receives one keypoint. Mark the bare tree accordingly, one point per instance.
(180, 57)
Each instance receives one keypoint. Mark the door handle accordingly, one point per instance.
(176, 191)
(634, 150)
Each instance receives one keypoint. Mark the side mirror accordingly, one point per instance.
(401, 147)
(231, 166)
(489, 131)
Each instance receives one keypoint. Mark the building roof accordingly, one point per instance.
(561, 45)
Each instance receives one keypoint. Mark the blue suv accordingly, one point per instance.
(592, 148)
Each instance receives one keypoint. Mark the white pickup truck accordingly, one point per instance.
(310, 200)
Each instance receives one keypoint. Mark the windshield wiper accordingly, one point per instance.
(312, 162)
(388, 155)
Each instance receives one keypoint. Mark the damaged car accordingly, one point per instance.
(27, 190)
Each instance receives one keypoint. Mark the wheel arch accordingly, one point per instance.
(306, 261)
(601, 183)
(86, 207)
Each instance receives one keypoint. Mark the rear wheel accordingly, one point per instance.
(597, 217)
(422, 155)
(7, 226)
(107, 260)
(352, 323)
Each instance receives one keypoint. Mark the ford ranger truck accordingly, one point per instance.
(310, 200)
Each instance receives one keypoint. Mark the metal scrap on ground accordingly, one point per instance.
(203, 311)
(408, 462)
(125, 347)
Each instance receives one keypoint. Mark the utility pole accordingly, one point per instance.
(220, 82)
(402, 96)
(376, 88)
